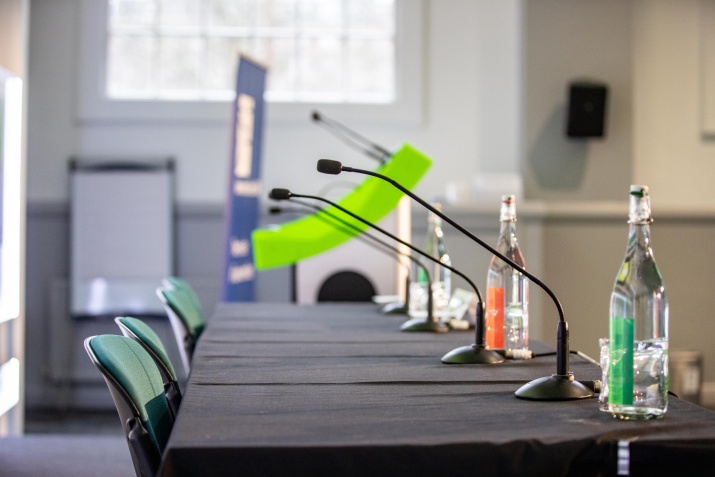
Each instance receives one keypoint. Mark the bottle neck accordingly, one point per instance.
(434, 222)
(435, 245)
(507, 217)
(507, 232)
(507, 225)
(508, 211)
(639, 236)
(639, 219)
(434, 232)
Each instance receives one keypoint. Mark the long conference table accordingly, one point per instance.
(337, 389)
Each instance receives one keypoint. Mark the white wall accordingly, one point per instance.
(566, 41)
(670, 154)
(471, 97)
(479, 63)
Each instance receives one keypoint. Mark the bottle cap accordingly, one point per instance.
(508, 208)
(639, 190)
(639, 210)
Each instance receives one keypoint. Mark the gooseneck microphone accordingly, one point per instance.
(559, 386)
(352, 138)
(414, 324)
(369, 239)
(431, 323)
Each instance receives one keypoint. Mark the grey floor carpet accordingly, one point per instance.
(67, 444)
(65, 455)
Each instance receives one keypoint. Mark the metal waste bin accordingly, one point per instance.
(685, 368)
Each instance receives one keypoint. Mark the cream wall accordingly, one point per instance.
(670, 154)
(566, 41)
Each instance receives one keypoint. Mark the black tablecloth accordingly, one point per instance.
(338, 389)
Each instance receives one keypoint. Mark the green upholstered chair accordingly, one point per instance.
(142, 333)
(138, 393)
(186, 320)
(180, 284)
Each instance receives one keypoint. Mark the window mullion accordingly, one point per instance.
(155, 67)
(345, 53)
(299, 46)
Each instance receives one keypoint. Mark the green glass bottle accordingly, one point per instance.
(638, 325)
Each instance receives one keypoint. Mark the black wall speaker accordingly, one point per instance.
(587, 109)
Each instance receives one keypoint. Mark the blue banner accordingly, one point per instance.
(244, 182)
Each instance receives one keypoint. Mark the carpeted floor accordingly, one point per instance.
(51, 421)
(67, 444)
(65, 455)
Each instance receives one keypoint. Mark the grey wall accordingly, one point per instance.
(57, 368)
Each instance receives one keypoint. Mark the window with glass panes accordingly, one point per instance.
(334, 51)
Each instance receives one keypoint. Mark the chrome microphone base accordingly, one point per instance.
(472, 354)
(557, 387)
(424, 324)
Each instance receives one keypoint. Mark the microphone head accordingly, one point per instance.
(316, 116)
(280, 194)
(328, 166)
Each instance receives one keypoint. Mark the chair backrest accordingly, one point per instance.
(138, 393)
(142, 333)
(180, 284)
(186, 320)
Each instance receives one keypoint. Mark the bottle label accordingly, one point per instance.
(620, 372)
(494, 318)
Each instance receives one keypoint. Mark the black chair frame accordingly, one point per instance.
(145, 455)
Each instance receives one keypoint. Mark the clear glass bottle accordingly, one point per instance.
(507, 303)
(638, 324)
(441, 277)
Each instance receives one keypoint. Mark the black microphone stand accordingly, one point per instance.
(373, 150)
(416, 324)
(559, 386)
(396, 308)
(431, 323)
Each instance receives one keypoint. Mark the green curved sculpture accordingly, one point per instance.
(373, 199)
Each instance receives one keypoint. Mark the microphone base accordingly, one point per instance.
(557, 387)
(395, 308)
(424, 324)
(472, 355)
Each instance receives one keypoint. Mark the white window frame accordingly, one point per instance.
(94, 107)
